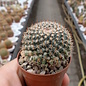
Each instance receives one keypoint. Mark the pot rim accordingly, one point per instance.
(40, 74)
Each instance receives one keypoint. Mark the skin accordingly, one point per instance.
(9, 75)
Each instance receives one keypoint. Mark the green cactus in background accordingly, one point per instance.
(8, 43)
(4, 53)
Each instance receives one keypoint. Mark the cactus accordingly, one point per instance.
(80, 20)
(10, 33)
(5, 14)
(25, 7)
(8, 43)
(48, 46)
(3, 36)
(9, 11)
(20, 14)
(2, 45)
(77, 12)
(13, 14)
(5, 24)
(4, 53)
(2, 10)
(8, 8)
(9, 20)
(73, 5)
(7, 28)
(17, 19)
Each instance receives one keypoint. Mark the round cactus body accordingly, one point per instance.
(4, 53)
(47, 46)
(8, 43)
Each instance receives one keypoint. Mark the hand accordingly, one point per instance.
(65, 80)
(9, 75)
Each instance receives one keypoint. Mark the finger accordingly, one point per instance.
(65, 80)
(13, 66)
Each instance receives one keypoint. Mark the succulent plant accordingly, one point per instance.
(26, 2)
(4, 53)
(5, 24)
(17, 18)
(79, 2)
(2, 45)
(20, 14)
(2, 10)
(25, 7)
(7, 28)
(77, 12)
(73, 5)
(47, 47)
(3, 35)
(13, 14)
(5, 14)
(9, 11)
(81, 19)
(8, 8)
(9, 20)
(8, 43)
(10, 33)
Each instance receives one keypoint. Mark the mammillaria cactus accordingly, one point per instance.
(77, 12)
(2, 45)
(81, 19)
(4, 53)
(3, 35)
(7, 28)
(73, 5)
(10, 33)
(46, 48)
(5, 14)
(9, 20)
(8, 43)
(20, 14)
(13, 14)
(2, 10)
(9, 11)
(25, 7)
(17, 19)
(5, 24)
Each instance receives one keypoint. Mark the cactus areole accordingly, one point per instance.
(46, 48)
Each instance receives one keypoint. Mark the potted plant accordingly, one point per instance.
(81, 18)
(45, 54)
(4, 53)
(2, 45)
(8, 43)
(17, 19)
(10, 33)
(3, 35)
(9, 20)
